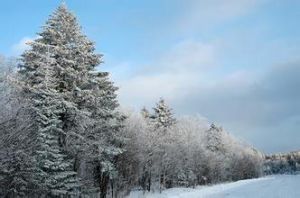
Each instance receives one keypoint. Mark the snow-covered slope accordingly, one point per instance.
(279, 186)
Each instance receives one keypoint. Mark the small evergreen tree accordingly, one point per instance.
(145, 113)
(214, 139)
(162, 117)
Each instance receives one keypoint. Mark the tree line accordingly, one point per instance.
(282, 163)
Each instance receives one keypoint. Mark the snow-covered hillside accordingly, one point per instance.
(279, 186)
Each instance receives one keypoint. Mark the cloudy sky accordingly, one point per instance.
(235, 62)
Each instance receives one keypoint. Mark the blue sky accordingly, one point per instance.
(235, 62)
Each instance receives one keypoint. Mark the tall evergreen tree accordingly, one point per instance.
(75, 106)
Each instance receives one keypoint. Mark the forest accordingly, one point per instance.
(282, 163)
(63, 132)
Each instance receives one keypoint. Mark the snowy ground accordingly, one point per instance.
(279, 186)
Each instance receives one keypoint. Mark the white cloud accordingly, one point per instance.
(21, 46)
(189, 55)
(145, 90)
(189, 68)
(198, 14)
(174, 75)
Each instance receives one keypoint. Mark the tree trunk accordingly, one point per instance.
(112, 188)
(149, 181)
(103, 184)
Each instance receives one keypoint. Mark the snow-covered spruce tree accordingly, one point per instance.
(80, 103)
(214, 139)
(163, 117)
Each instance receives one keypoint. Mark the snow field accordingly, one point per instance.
(279, 186)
